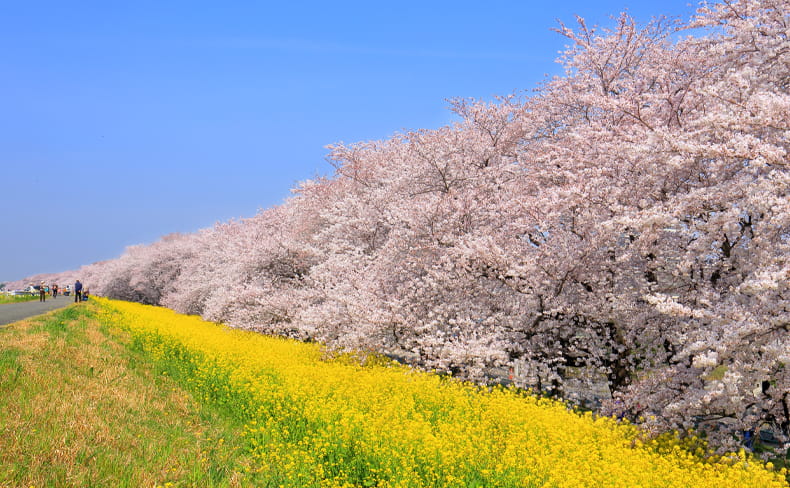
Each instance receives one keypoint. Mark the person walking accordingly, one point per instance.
(42, 293)
(77, 291)
(55, 290)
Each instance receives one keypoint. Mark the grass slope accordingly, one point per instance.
(110, 393)
(17, 298)
(79, 408)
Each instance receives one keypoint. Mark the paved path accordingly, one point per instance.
(12, 312)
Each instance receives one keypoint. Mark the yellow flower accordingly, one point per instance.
(335, 423)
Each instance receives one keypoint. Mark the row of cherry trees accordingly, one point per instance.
(629, 220)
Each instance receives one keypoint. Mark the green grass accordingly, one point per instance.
(17, 298)
(80, 407)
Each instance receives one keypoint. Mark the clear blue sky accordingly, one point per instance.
(124, 121)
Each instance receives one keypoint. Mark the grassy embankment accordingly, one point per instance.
(79, 407)
(16, 298)
(117, 394)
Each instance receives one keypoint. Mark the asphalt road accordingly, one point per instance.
(13, 312)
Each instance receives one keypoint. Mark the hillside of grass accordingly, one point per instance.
(16, 298)
(111, 393)
(79, 407)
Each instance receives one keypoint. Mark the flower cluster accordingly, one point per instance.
(334, 422)
(584, 235)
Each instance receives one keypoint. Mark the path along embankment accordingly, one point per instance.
(13, 312)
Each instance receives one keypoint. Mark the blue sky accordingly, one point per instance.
(124, 121)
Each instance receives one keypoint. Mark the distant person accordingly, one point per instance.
(42, 293)
(77, 291)
(85, 295)
(55, 290)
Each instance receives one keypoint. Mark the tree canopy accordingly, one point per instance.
(629, 220)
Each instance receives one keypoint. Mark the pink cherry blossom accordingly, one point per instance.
(627, 224)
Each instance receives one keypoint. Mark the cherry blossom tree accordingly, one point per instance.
(626, 224)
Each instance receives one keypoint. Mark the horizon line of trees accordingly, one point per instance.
(629, 220)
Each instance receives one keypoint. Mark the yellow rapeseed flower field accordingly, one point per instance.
(336, 423)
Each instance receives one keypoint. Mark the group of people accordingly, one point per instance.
(79, 294)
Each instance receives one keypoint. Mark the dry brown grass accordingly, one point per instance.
(78, 408)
